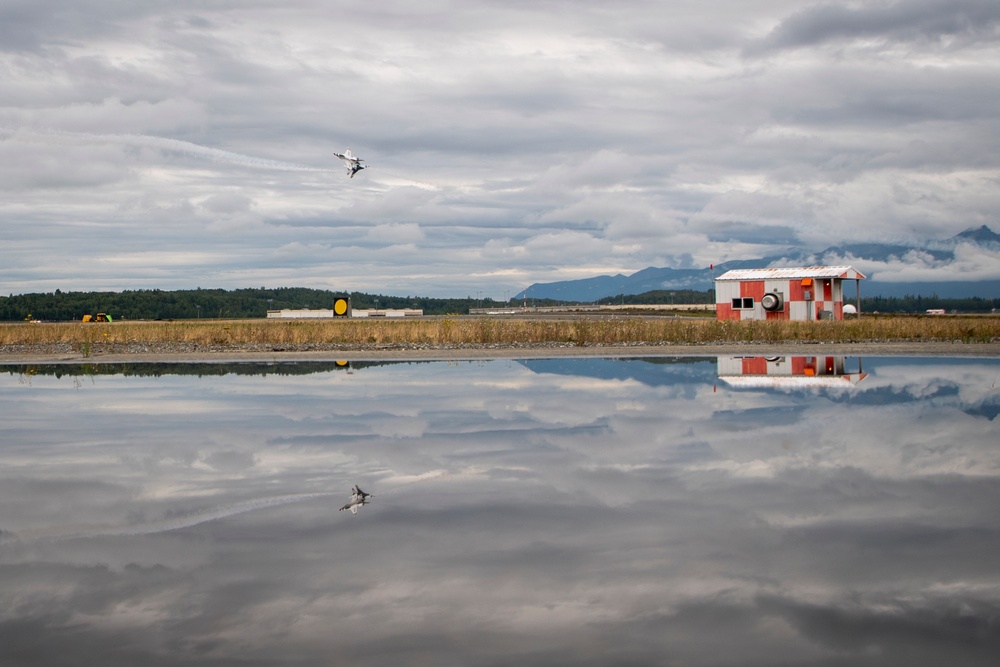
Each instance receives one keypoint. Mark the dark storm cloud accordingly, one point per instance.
(653, 372)
(17, 32)
(30, 26)
(932, 21)
(919, 632)
(742, 232)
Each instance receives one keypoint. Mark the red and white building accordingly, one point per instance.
(805, 293)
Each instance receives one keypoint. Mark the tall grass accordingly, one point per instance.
(498, 331)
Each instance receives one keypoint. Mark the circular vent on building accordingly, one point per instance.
(772, 302)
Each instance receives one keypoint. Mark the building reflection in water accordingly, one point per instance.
(798, 371)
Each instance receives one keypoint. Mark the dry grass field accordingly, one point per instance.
(458, 331)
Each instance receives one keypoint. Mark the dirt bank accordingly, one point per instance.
(57, 353)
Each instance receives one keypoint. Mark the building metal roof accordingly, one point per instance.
(794, 273)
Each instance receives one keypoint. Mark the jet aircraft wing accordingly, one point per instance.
(358, 499)
(353, 163)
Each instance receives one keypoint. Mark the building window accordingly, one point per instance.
(744, 303)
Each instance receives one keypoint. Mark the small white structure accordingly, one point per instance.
(319, 314)
(388, 312)
(300, 314)
(804, 293)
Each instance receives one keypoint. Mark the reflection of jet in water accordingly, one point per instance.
(358, 498)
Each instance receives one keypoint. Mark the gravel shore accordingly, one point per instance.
(66, 353)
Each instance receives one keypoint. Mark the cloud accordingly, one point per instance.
(89, 120)
(929, 21)
(396, 234)
(228, 204)
(970, 262)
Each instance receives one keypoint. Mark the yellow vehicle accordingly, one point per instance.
(100, 317)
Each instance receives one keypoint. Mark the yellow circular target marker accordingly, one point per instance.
(340, 307)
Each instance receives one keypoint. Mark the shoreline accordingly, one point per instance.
(54, 354)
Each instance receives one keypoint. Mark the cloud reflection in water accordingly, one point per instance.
(571, 511)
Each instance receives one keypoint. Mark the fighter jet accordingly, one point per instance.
(353, 164)
(358, 499)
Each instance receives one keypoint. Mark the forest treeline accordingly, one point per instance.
(207, 303)
(660, 297)
(921, 304)
(249, 303)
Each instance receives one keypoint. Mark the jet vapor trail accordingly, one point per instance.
(164, 525)
(159, 143)
(76, 532)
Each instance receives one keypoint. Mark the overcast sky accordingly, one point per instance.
(182, 144)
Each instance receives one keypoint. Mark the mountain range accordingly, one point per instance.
(866, 257)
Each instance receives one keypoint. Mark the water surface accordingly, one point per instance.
(690, 511)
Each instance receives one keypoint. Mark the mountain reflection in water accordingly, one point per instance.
(694, 511)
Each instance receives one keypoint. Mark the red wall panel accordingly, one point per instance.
(755, 366)
(754, 288)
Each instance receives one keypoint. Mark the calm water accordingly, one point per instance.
(565, 512)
